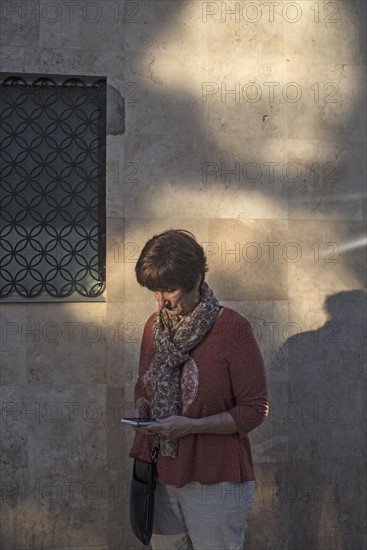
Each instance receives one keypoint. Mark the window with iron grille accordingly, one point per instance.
(52, 188)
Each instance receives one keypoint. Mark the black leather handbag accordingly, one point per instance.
(142, 497)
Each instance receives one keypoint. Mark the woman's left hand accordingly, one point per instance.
(172, 427)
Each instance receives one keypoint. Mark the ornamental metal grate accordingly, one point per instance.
(52, 189)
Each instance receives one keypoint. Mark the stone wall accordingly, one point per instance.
(245, 123)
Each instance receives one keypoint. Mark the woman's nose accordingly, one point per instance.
(160, 299)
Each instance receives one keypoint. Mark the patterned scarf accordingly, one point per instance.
(173, 345)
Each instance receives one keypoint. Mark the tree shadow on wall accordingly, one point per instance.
(181, 150)
(323, 496)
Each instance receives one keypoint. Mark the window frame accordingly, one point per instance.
(75, 296)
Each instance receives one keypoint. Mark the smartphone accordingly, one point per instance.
(138, 422)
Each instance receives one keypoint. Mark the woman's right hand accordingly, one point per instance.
(141, 409)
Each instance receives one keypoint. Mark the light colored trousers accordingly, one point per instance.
(201, 517)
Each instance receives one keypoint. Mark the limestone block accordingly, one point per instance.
(166, 27)
(327, 257)
(61, 33)
(119, 530)
(324, 499)
(169, 85)
(116, 409)
(242, 178)
(330, 32)
(326, 414)
(93, 26)
(269, 322)
(326, 103)
(333, 327)
(114, 257)
(163, 177)
(84, 62)
(268, 508)
(245, 99)
(302, 333)
(13, 367)
(117, 332)
(19, 59)
(19, 30)
(13, 441)
(117, 171)
(269, 442)
(63, 508)
(66, 425)
(246, 263)
(326, 180)
(66, 343)
(115, 115)
(244, 30)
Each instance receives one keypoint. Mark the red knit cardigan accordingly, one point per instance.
(225, 372)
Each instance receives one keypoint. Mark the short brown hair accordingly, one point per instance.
(173, 259)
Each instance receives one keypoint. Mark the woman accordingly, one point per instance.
(202, 376)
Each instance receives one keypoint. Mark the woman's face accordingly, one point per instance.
(177, 301)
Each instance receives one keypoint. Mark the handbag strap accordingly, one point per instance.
(154, 453)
